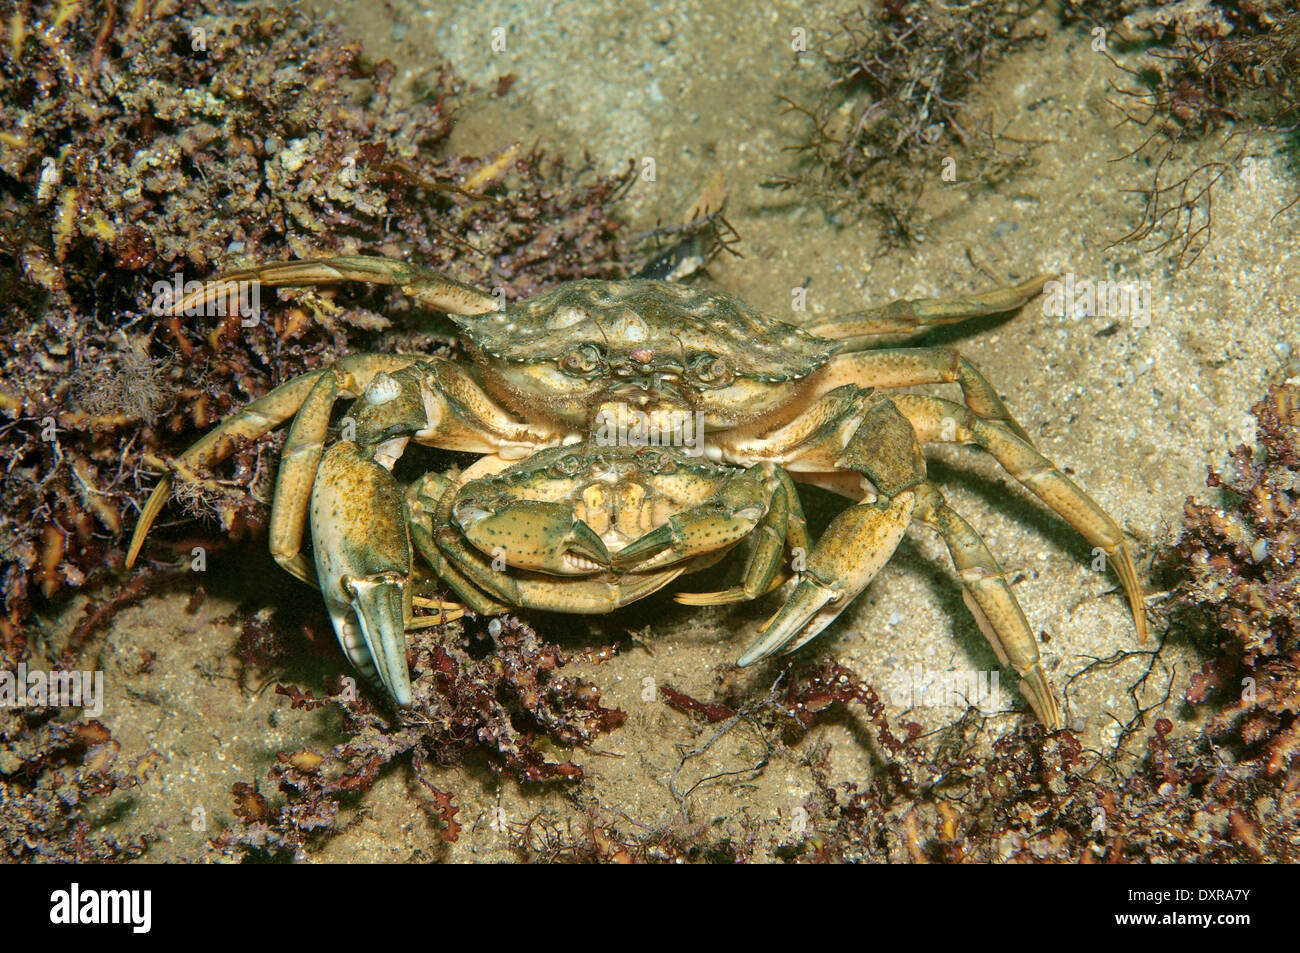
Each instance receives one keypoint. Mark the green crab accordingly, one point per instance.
(570, 509)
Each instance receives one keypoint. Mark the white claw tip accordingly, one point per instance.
(577, 561)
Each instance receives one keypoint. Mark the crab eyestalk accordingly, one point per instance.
(363, 563)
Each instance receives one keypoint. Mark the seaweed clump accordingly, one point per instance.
(147, 144)
(1229, 68)
(503, 695)
(1242, 560)
(896, 103)
(937, 798)
(56, 778)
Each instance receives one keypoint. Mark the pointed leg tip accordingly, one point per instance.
(152, 507)
(1037, 283)
(1019, 431)
(1122, 561)
(1038, 690)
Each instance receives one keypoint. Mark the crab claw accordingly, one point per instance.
(698, 530)
(545, 537)
(376, 607)
(363, 562)
(852, 550)
(798, 621)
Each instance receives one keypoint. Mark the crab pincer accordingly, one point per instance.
(536, 535)
(363, 561)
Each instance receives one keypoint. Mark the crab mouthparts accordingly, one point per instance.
(644, 390)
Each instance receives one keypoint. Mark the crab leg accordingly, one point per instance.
(906, 367)
(399, 398)
(430, 288)
(363, 562)
(936, 419)
(900, 320)
(809, 446)
(854, 431)
(314, 393)
(257, 419)
(848, 429)
(991, 601)
(377, 415)
(293, 483)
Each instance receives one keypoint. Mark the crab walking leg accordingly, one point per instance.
(430, 288)
(422, 597)
(782, 529)
(257, 419)
(900, 320)
(907, 367)
(260, 417)
(939, 420)
(991, 601)
(294, 481)
(363, 561)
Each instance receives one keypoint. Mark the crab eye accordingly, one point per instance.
(710, 369)
(584, 360)
(652, 461)
(567, 465)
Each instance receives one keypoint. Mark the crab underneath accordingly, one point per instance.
(553, 517)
